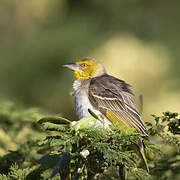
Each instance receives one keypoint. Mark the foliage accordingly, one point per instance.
(85, 151)
(37, 37)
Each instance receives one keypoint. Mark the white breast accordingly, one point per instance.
(82, 102)
(81, 99)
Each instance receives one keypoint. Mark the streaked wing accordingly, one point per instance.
(113, 98)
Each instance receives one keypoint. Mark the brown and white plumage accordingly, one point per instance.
(112, 97)
(107, 96)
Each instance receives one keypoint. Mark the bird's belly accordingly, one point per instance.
(82, 105)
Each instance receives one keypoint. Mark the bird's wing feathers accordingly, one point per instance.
(113, 98)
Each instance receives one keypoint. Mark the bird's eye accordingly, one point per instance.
(83, 65)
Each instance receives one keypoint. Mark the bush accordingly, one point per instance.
(56, 148)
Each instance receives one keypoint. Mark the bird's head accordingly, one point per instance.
(86, 68)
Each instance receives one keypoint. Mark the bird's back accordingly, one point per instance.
(113, 97)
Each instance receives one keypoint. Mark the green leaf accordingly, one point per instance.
(54, 120)
(130, 130)
(85, 123)
(55, 127)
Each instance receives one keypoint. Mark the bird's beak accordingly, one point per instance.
(72, 66)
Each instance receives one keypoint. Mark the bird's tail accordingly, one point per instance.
(141, 150)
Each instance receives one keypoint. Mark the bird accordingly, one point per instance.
(110, 98)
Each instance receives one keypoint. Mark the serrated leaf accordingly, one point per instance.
(55, 127)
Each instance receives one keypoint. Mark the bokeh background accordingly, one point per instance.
(136, 40)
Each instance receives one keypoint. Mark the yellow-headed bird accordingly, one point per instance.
(106, 96)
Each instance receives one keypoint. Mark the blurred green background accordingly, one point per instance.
(136, 40)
